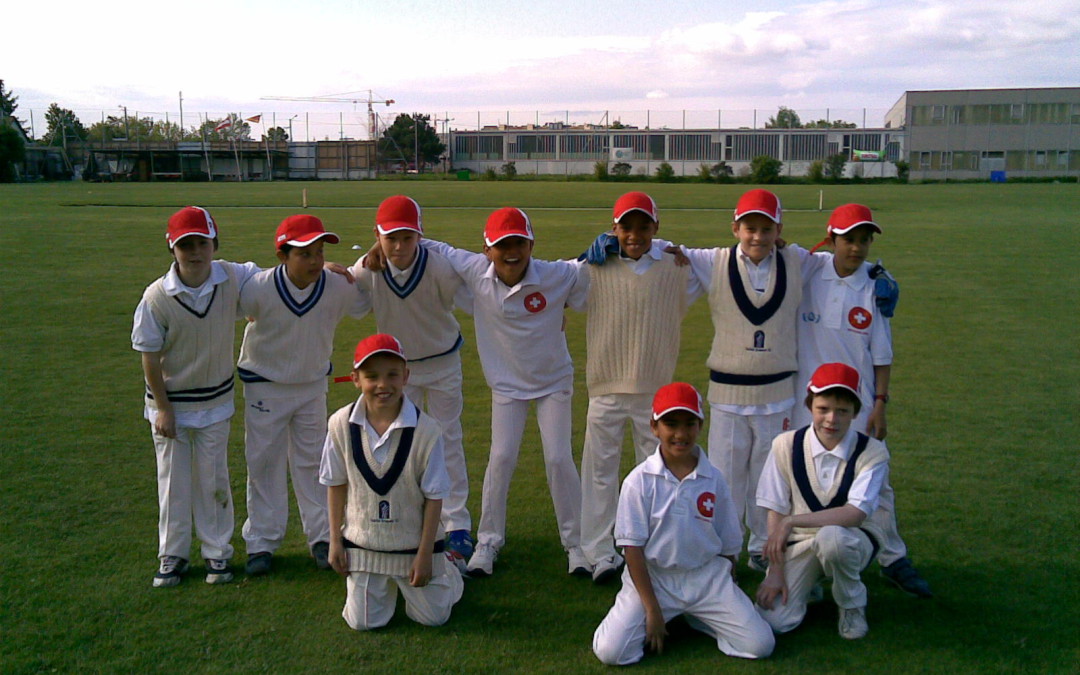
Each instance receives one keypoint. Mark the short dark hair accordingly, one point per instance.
(178, 243)
(842, 393)
(285, 248)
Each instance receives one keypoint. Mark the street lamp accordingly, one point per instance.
(291, 139)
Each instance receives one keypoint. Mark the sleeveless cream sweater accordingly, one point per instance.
(197, 357)
(753, 358)
(634, 326)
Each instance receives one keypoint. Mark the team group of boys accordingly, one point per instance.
(382, 487)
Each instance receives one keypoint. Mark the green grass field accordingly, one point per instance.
(982, 429)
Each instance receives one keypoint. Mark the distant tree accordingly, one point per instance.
(63, 125)
(621, 169)
(834, 166)
(703, 173)
(276, 134)
(765, 169)
(665, 173)
(406, 134)
(236, 130)
(600, 170)
(721, 172)
(133, 128)
(509, 171)
(816, 172)
(785, 118)
(617, 124)
(8, 102)
(826, 124)
(489, 174)
(903, 169)
(12, 151)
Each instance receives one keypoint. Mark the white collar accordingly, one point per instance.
(842, 450)
(173, 286)
(407, 417)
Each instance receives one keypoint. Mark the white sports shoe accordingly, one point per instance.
(853, 623)
(607, 569)
(578, 564)
(170, 572)
(482, 562)
(218, 572)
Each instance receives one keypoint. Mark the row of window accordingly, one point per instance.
(704, 147)
(996, 113)
(1000, 160)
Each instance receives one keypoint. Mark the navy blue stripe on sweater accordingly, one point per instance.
(298, 308)
(198, 394)
(802, 480)
(404, 290)
(382, 485)
(756, 315)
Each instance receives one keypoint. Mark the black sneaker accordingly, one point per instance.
(218, 571)
(170, 572)
(258, 564)
(758, 563)
(904, 576)
(320, 550)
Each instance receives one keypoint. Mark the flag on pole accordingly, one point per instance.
(255, 119)
(225, 124)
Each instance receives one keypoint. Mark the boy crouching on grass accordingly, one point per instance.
(383, 465)
(677, 524)
(184, 327)
(819, 485)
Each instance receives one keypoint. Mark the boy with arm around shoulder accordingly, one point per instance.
(676, 522)
(383, 467)
(413, 298)
(184, 327)
(819, 486)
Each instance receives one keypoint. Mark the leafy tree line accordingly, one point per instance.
(786, 118)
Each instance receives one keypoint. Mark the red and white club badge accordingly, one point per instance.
(706, 501)
(535, 302)
(860, 318)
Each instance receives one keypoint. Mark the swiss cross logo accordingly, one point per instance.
(860, 318)
(705, 504)
(535, 302)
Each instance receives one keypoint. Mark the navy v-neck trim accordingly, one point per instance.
(298, 308)
(201, 315)
(802, 480)
(381, 485)
(756, 315)
(404, 290)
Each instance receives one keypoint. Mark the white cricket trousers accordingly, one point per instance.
(707, 594)
(507, 426)
(893, 548)
(284, 435)
(839, 553)
(438, 392)
(193, 480)
(738, 446)
(600, 476)
(371, 598)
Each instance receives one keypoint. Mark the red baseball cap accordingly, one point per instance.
(677, 396)
(830, 375)
(636, 201)
(507, 222)
(190, 220)
(759, 201)
(379, 343)
(398, 213)
(302, 230)
(847, 217)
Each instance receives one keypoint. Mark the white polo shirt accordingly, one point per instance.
(681, 525)
(774, 493)
(839, 322)
(519, 329)
(435, 483)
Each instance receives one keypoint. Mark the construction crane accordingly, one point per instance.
(339, 98)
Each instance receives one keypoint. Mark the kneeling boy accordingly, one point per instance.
(383, 465)
(819, 485)
(677, 524)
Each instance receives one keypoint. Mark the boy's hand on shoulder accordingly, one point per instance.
(604, 244)
(339, 560)
(680, 257)
(338, 268)
(420, 574)
(165, 424)
(886, 290)
(375, 260)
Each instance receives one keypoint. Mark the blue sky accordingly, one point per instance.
(466, 55)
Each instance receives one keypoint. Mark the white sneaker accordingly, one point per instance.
(170, 572)
(218, 572)
(578, 564)
(853, 623)
(607, 569)
(482, 562)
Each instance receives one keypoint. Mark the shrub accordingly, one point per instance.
(721, 172)
(834, 166)
(765, 169)
(704, 173)
(600, 170)
(489, 174)
(816, 172)
(665, 173)
(509, 170)
(903, 169)
(621, 169)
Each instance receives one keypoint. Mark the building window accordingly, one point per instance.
(958, 113)
(937, 113)
(1063, 159)
(1016, 111)
(1040, 159)
(924, 160)
(946, 160)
